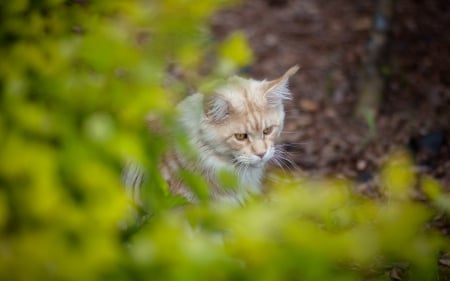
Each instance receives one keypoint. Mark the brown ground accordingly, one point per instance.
(328, 39)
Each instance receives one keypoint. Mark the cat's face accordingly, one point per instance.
(244, 119)
(249, 136)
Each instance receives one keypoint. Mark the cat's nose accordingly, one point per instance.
(261, 155)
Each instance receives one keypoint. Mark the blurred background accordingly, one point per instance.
(337, 44)
(368, 133)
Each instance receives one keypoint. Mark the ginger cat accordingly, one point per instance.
(232, 130)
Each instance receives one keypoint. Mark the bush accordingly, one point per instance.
(303, 230)
(78, 78)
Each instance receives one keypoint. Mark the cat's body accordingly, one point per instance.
(209, 160)
(233, 131)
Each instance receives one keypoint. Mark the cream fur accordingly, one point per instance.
(242, 106)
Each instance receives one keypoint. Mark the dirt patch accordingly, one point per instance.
(328, 39)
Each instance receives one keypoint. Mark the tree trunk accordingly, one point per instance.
(371, 83)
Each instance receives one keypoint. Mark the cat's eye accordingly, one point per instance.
(268, 130)
(240, 137)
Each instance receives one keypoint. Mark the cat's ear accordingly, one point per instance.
(277, 90)
(216, 108)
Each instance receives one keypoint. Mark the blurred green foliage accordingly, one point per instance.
(305, 229)
(77, 79)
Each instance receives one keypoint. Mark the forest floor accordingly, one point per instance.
(329, 40)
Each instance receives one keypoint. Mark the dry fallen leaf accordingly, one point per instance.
(309, 105)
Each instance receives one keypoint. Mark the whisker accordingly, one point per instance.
(277, 163)
(281, 158)
(292, 147)
(241, 169)
(289, 165)
(295, 143)
(241, 164)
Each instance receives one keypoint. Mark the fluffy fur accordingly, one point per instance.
(232, 130)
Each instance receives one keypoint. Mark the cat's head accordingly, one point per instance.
(244, 118)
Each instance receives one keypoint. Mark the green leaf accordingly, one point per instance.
(236, 50)
(398, 175)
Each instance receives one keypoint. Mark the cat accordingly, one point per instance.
(233, 130)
